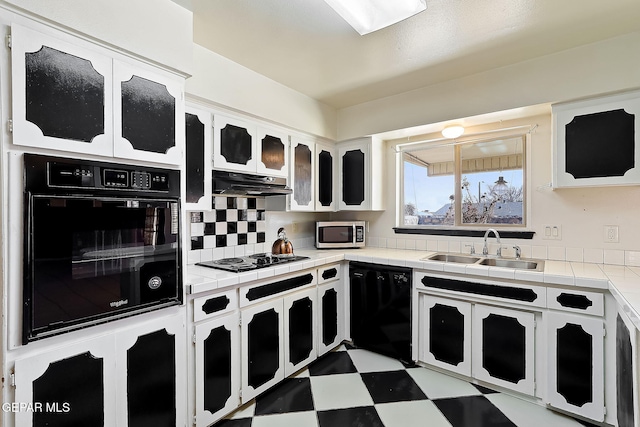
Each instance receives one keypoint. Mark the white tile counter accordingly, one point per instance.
(622, 281)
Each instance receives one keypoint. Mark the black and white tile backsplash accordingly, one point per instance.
(234, 221)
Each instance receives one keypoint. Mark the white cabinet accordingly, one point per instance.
(117, 379)
(361, 174)
(217, 368)
(300, 330)
(445, 333)
(595, 141)
(627, 370)
(62, 93)
(326, 177)
(234, 141)
(198, 162)
(575, 364)
(73, 96)
(504, 347)
(242, 145)
(302, 175)
(331, 308)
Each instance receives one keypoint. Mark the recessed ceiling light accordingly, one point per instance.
(453, 131)
(366, 16)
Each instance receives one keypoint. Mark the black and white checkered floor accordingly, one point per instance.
(356, 388)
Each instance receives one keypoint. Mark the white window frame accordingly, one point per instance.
(458, 225)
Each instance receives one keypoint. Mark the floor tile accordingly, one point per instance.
(339, 391)
(243, 422)
(393, 386)
(419, 413)
(484, 390)
(365, 361)
(527, 414)
(333, 363)
(472, 411)
(291, 395)
(295, 419)
(438, 386)
(351, 417)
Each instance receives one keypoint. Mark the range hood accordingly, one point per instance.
(241, 184)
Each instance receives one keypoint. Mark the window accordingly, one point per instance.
(464, 184)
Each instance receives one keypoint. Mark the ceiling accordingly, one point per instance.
(305, 45)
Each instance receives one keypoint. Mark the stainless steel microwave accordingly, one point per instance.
(340, 234)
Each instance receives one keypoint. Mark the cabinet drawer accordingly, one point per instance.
(576, 301)
(214, 305)
(277, 287)
(328, 273)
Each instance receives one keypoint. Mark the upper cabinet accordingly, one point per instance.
(595, 141)
(325, 177)
(198, 161)
(71, 95)
(241, 145)
(361, 174)
(302, 174)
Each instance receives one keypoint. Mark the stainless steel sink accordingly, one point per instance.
(519, 264)
(461, 259)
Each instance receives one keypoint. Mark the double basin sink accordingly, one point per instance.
(519, 264)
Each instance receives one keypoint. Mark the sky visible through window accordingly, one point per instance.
(432, 193)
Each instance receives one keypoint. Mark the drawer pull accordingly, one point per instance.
(213, 305)
(579, 302)
(277, 287)
(506, 292)
(330, 273)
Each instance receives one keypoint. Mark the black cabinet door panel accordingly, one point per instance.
(64, 95)
(574, 363)
(272, 152)
(74, 390)
(504, 348)
(446, 334)
(353, 179)
(217, 369)
(325, 178)
(263, 347)
(151, 380)
(235, 144)
(195, 165)
(302, 179)
(329, 316)
(148, 115)
(300, 330)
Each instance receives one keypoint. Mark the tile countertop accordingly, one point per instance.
(623, 282)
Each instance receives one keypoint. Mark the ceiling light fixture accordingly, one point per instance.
(366, 16)
(453, 131)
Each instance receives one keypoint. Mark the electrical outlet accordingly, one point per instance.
(551, 232)
(611, 234)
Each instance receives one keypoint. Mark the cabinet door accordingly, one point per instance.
(445, 333)
(262, 348)
(148, 114)
(272, 152)
(595, 141)
(198, 158)
(326, 168)
(503, 347)
(61, 94)
(151, 361)
(300, 330)
(217, 368)
(302, 175)
(73, 384)
(234, 144)
(331, 316)
(355, 180)
(626, 372)
(576, 365)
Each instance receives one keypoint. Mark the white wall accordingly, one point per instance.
(221, 81)
(605, 66)
(581, 213)
(158, 30)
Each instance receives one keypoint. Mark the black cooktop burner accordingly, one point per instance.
(250, 262)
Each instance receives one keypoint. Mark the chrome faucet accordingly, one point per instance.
(485, 249)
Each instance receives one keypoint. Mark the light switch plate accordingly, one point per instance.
(551, 232)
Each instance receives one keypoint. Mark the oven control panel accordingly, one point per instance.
(52, 172)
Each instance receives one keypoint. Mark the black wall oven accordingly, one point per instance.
(101, 242)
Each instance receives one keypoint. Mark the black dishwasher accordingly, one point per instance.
(380, 303)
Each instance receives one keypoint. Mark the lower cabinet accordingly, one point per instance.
(278, 338)
(331, 316)
(446, 333)
(576, 364)
(504, 347)
(217, 368)
(133, 377)
(626, 372)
